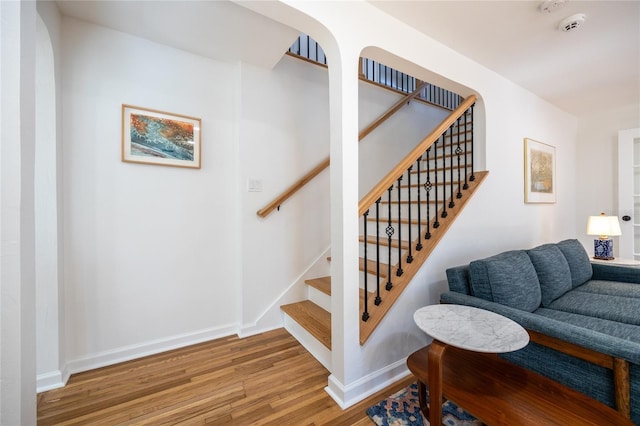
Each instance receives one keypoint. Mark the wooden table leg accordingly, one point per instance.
(422, 397)
(434, 366)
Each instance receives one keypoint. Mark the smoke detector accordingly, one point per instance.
(572, 22)
(549, 6)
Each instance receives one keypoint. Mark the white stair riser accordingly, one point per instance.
(310, 343)
(319, 298)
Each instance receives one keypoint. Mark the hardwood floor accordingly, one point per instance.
(267, 379)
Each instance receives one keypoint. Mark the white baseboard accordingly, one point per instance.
(128, 353)
(52, 380)
(346, 396)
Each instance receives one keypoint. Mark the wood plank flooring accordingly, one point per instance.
(267, 379)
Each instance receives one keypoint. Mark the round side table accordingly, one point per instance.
(468, 328)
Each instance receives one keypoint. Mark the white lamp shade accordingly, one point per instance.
(603, 226)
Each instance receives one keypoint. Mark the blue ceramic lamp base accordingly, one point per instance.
(603, 249)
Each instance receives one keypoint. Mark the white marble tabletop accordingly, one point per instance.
(471, 328)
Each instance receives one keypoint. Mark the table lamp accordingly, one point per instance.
(603, 226)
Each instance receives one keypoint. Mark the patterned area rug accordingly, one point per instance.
(403, 408)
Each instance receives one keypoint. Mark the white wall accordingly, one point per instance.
(283, 134)
(597, 165)
(48, 323)
(149, 250)
(17, 224)
(51, 367)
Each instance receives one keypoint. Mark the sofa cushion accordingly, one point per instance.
(608, 327)
(578, 260)
(613, 308)
(553, 272)
(613, 288)
(508, 278)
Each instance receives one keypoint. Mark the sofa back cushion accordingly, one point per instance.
(507, 278)
(578, 260)
(553, 272)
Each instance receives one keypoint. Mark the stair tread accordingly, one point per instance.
(440, 183)
(384, 241)
(372, 267)
(394, 220)
(312, 318)
(322, 284)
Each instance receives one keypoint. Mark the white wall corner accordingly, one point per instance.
(52, 380)
(351, 394)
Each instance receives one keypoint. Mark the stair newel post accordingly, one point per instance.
(389, 230)
(473, 176)
(365, 310)
(427, 188)
(399, 271)
(466, 151)
(378, 299)
(451, 203)
(410, 255)
(458, 152)
(419, 244)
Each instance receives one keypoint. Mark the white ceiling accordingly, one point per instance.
(220, 30)
(594, 68)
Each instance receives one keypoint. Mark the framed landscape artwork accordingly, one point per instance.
(539, 172)
(157, 137)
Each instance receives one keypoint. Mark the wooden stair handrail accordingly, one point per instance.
(390, 112)
(286, 194)
(391, 177)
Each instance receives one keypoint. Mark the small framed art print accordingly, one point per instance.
(157, 137)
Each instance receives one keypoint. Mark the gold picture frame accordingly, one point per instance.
(539, 172)
(156, 137)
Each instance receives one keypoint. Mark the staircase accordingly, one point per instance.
(402, 220)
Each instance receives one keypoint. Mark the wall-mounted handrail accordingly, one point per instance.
(286, 194)
(368, 200)
(391, 111)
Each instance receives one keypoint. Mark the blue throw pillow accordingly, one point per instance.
(507, 278)
(553, 272)
(578, 260)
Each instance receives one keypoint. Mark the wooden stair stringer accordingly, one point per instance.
(377, 313)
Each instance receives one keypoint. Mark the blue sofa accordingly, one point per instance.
(583, 318)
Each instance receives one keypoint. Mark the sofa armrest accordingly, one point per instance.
(625, 274)
(599, 342)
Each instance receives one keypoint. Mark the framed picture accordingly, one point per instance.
(539, 172)
(157, 137)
